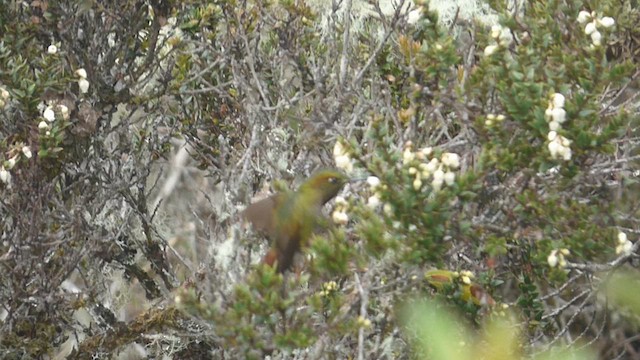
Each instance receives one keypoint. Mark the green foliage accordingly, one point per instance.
(438, 334)
(331, 254)
(622, 288)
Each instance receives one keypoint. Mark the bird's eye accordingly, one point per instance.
(332, 180)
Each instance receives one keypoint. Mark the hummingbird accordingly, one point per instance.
(289, 218)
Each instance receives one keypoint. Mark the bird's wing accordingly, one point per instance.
(261, 214)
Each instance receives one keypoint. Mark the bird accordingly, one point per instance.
(289, 218)
(468, 291)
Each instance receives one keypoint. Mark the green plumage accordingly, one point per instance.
(289, 218)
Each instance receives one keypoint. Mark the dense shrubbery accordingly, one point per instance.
(131, 134)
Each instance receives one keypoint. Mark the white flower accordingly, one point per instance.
(11, 162)
(344, 162)
(426, 151)
(596, 38)
(583, 16)
(548, 113)
(624, 245)
(565, 153)
(43, 125)
(452, 160)
(438, 174)
(554, 126)
(84, 85)
(340, 217)
(590, 28)
(341, 202)
(4, 94)
(437, 184)
(495, 31)
(558, 100)
(82, 73)
(489, 50)
(449, 178)
(64, 110)
(432, 166)
(5, 176)
(467, 273)
(49, 115)
(424, 172)
(552, 259)
(52, 49)
(373, 182)
(622, 237)
(554, 147)
(552, 135)
(387, 209)
(342, 158)
(500, 117)
(465, 279)
(414, 15)
(373, 201)
(413, 171)
(111, 39)
(407, 156)
(506, 38)
(607, 21)
(624, 248)
(559, 115)
(27, 152)
(338, 149)
(417, 183)
(561, 261)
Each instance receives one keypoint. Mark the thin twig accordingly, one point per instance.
(364, 300)
(344, 60)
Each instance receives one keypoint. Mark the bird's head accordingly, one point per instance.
(324, 183)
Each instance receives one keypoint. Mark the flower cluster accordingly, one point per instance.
(591, 28)
(502, 38)
(14, 156)
(328, 288)
(492, 119)
(83, 83)
(4, 97)
(556, 258)
(440, 171)
(466, 276)
(559, 146)
(363, 322)
(374, 184)
(49, 114)
(555, 114)
(339, 214)
(342, 158)
(624, 245)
